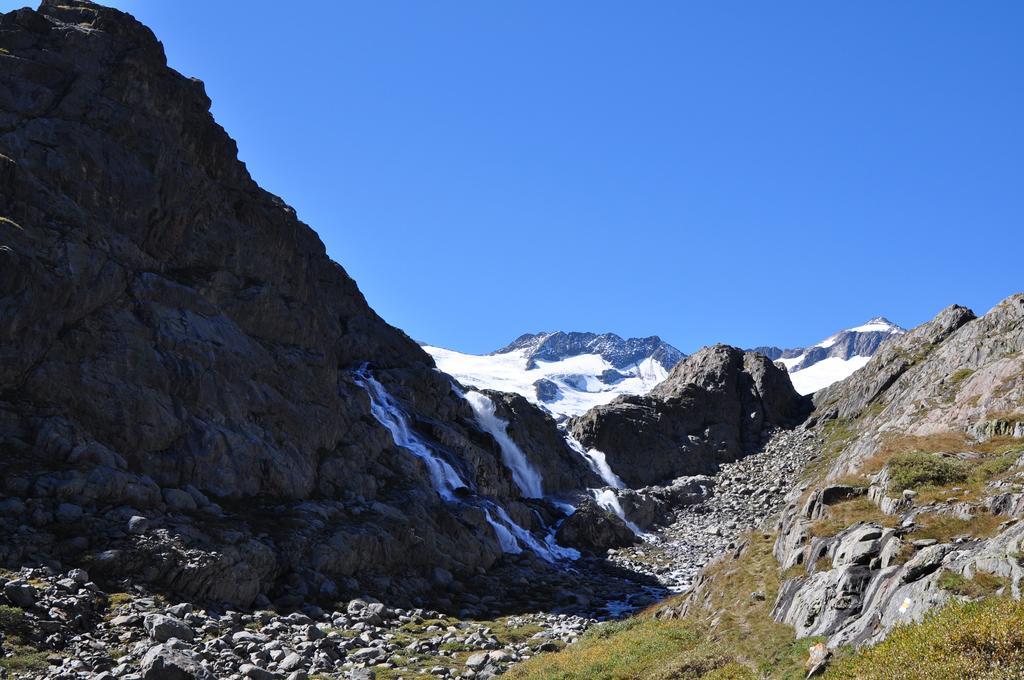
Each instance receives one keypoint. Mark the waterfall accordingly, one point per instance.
(511, 537)
(524, 475)
(506, 540)
(607, 499)
(549, 550)
(387, 412)
(597, 461)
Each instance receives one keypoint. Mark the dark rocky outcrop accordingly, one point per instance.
(594, 529)
(171, 331)
(714, 407)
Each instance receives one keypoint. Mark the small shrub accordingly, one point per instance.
(960, 375)
(12, 619)
(993, 467)
(914, 470)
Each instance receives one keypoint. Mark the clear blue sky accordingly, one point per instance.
(706, 171)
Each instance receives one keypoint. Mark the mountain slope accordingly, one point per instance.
(834, 358)
(910, 502)
(175, 344)
(566, 373)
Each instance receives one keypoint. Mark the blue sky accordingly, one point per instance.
(750, 173)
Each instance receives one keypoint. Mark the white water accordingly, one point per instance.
(384, 408)
(549, 550)
(607, 499)
(445, 480)
(597, 461)
(524, 475)
(506, 540)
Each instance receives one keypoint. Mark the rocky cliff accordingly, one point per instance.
(925, 457)
(176, 347)
(715, 406)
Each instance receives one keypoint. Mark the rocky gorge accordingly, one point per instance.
(220, 462)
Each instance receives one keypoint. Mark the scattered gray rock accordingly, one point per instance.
(162, 628)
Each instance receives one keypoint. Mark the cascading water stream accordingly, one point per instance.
(524, 475)
(387, 412)
(549, 550)
(607, 499)
(445, 480)
(597, 461)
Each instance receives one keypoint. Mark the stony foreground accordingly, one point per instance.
(86, 632)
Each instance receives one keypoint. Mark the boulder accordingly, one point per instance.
(20, 594)
(163, 662)
(162, 628)
(594, 529)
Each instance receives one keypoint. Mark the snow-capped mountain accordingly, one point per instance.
(834, 358)
(566, 373)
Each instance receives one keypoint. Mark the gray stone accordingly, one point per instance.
(179, 500)
(925, 562)
(253, 671)
(68, 512)
(163, 662)
(20, 593)
(291, 662)
(162, 628)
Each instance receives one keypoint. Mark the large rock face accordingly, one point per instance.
(170, 331)
(950, 391)
(714, 407)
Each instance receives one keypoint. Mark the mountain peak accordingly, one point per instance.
(566, 372)
(878, 324)
(834, 358)
(618, 351)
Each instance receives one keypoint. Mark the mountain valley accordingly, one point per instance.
(220, 462)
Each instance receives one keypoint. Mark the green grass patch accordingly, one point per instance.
(846, 513)
(982, 584)
(960, 375)
(944, 528)
(12, 619)
(635, 648)
(982, 640)
(917, 469)
(24, 659)
(115, 600)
